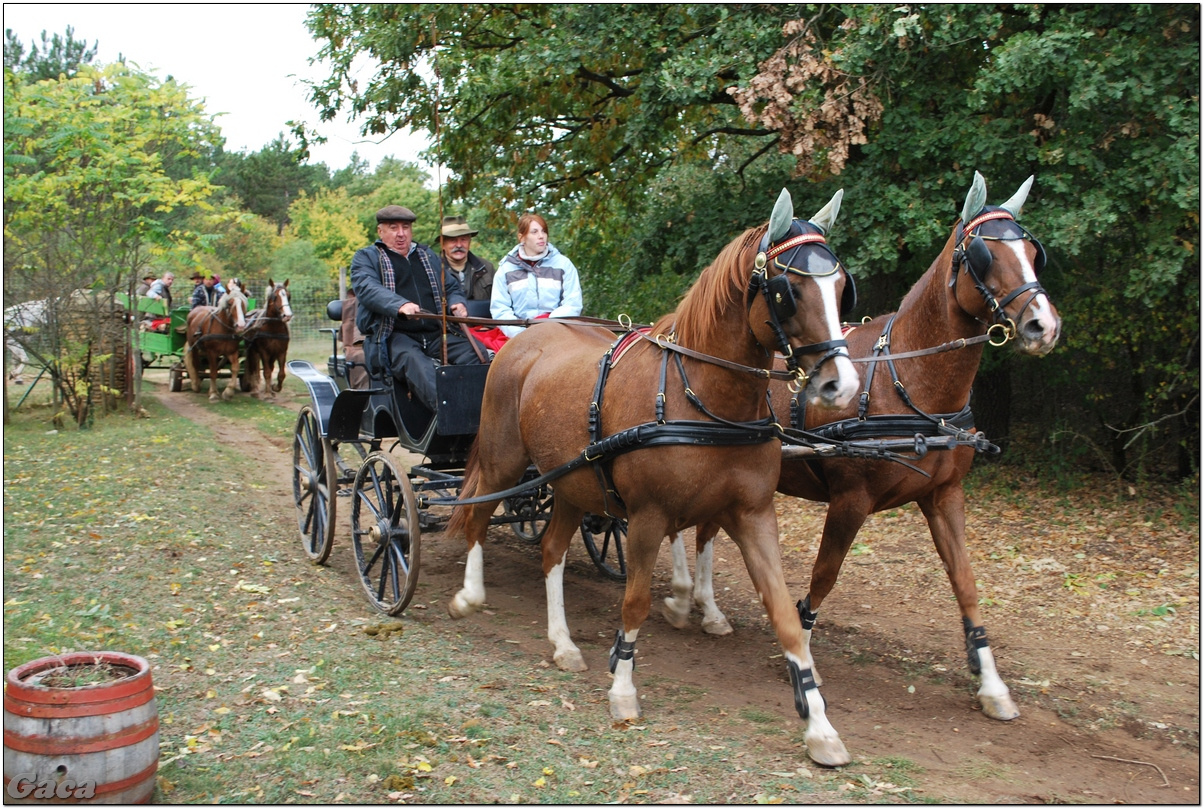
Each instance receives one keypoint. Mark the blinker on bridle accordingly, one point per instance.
(779, 296)
(973, 254)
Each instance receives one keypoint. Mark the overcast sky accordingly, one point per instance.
(245, 61)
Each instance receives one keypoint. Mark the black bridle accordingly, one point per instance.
(779, 297)
(973, 255)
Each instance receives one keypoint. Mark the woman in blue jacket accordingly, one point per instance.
(534, 279)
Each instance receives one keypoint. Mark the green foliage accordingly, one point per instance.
(108, 180)
(59, 56)
(270, 180)
(339, 220)
(621, 123)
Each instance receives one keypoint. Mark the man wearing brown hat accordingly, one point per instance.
(204, 293)
(397, 277)
(474, 272)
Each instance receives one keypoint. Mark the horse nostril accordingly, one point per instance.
(1033, 331)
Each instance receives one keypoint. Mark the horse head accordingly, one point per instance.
(800, 277)
(234, 303)
(999, 258)
(278, 301)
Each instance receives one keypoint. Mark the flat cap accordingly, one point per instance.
(395, 213)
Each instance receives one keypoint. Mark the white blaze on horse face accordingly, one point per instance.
(1040, 306)
(847, 381)
(288, 310)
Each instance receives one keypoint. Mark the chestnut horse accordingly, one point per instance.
(266, 337)
(984, 282)
(556, 387)
(215, 331)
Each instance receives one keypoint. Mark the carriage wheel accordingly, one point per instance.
(314, 486)
(175, 379)
(385, 533)
(529, 514)
(604, 540)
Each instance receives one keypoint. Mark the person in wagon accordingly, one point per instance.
(534, 279)
(161, 289)
(147, 280)
(474, 273)
(204, 293)
(396, 277)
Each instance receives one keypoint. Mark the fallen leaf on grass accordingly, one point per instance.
(357, 747)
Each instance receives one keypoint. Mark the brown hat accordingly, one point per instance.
(395, 213)
(454, 226)
(197, 274)
(150, 276)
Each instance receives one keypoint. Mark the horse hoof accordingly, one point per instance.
(570, 660)
(624, 708)
(717, 627)
(827, 751)
(213, 397)
(459, 607)
(677, 618)
(999, 706)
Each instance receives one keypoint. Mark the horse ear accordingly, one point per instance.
(827, 214)
(976, 199)
(782, 216)
(1014, 204)
(270, 284)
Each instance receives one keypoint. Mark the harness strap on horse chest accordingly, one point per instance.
(865, 426)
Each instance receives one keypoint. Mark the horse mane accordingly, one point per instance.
(233, 292)
(934, 279)
(721, 285)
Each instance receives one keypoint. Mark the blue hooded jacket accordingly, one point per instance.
(524, 289)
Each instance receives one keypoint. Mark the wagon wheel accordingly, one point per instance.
(175, 379)
(604, 540)
(529, 513)
(385, 533)
(315, 483)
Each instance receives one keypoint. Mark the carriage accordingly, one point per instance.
(163, 347)
(363, 440)
(775, 289)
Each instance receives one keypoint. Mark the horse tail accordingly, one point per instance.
(472, 474)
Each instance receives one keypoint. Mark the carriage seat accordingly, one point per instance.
(351, 364)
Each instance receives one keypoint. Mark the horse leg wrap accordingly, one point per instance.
(976, 638)
(803, 681)
(805, 614)
(622, 650)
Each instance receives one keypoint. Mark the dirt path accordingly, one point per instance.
(1110, 703)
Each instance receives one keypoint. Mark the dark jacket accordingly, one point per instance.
(204, 296)
(377, 302)
(478, 278)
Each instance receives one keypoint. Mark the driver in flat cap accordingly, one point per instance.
(396, 277)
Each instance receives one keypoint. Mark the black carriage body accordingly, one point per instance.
(390, 505)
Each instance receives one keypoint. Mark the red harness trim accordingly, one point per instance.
(986, 217)
(793, 242)
(625, 343)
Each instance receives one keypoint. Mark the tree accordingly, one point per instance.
(338, 221)
(107, 184)
(270, 180)
(649, 129)
(59, 56)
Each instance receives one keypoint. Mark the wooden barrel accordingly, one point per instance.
(93, 743)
